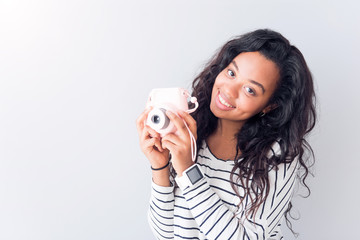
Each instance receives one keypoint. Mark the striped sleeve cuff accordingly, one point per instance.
(161, 211)
(162, 193)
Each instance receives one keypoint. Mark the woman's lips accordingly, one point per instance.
(222, 103)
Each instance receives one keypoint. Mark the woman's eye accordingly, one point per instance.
(231, 73)
(249, 90)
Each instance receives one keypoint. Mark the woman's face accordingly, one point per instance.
(244, 88)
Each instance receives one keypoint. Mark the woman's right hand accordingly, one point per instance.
(150, 142)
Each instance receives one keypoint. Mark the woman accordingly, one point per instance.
(256, 104)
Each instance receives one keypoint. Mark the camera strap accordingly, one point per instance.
(193, 143)
(192, 138)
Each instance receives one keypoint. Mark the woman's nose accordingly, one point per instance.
(233, 89)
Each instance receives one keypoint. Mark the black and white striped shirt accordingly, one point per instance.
(209, 209)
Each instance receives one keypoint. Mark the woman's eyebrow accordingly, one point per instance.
(258, 84)
(252, 81)
(234, 63)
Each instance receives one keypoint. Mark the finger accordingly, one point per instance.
(169, 146)
(153, 142)
(173, 138)
(140, 121)
(190, 121)
(178, 122)
(149, 132)
(157, 144)
(149, 143)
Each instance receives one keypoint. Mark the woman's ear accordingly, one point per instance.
(269, 108)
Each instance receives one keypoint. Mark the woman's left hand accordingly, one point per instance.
(179, 143)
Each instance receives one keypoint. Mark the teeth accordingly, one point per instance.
(224, 102)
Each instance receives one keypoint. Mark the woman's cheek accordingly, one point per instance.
(248, 105)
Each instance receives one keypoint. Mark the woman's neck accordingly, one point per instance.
(227, 129)
(222, 142)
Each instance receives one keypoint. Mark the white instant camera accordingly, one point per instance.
(163, 99)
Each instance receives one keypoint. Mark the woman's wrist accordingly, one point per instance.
(160, 168)
(162, 177)
(182, 168)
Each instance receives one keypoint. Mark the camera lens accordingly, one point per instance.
(158, 119)
(155, 119)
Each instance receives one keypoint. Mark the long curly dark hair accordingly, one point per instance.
(292, 119)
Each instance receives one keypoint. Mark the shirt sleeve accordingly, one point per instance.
(216, 221)
(161, 211)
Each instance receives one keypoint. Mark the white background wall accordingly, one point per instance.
(74, 76)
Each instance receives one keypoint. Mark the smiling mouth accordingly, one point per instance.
(225, 103)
